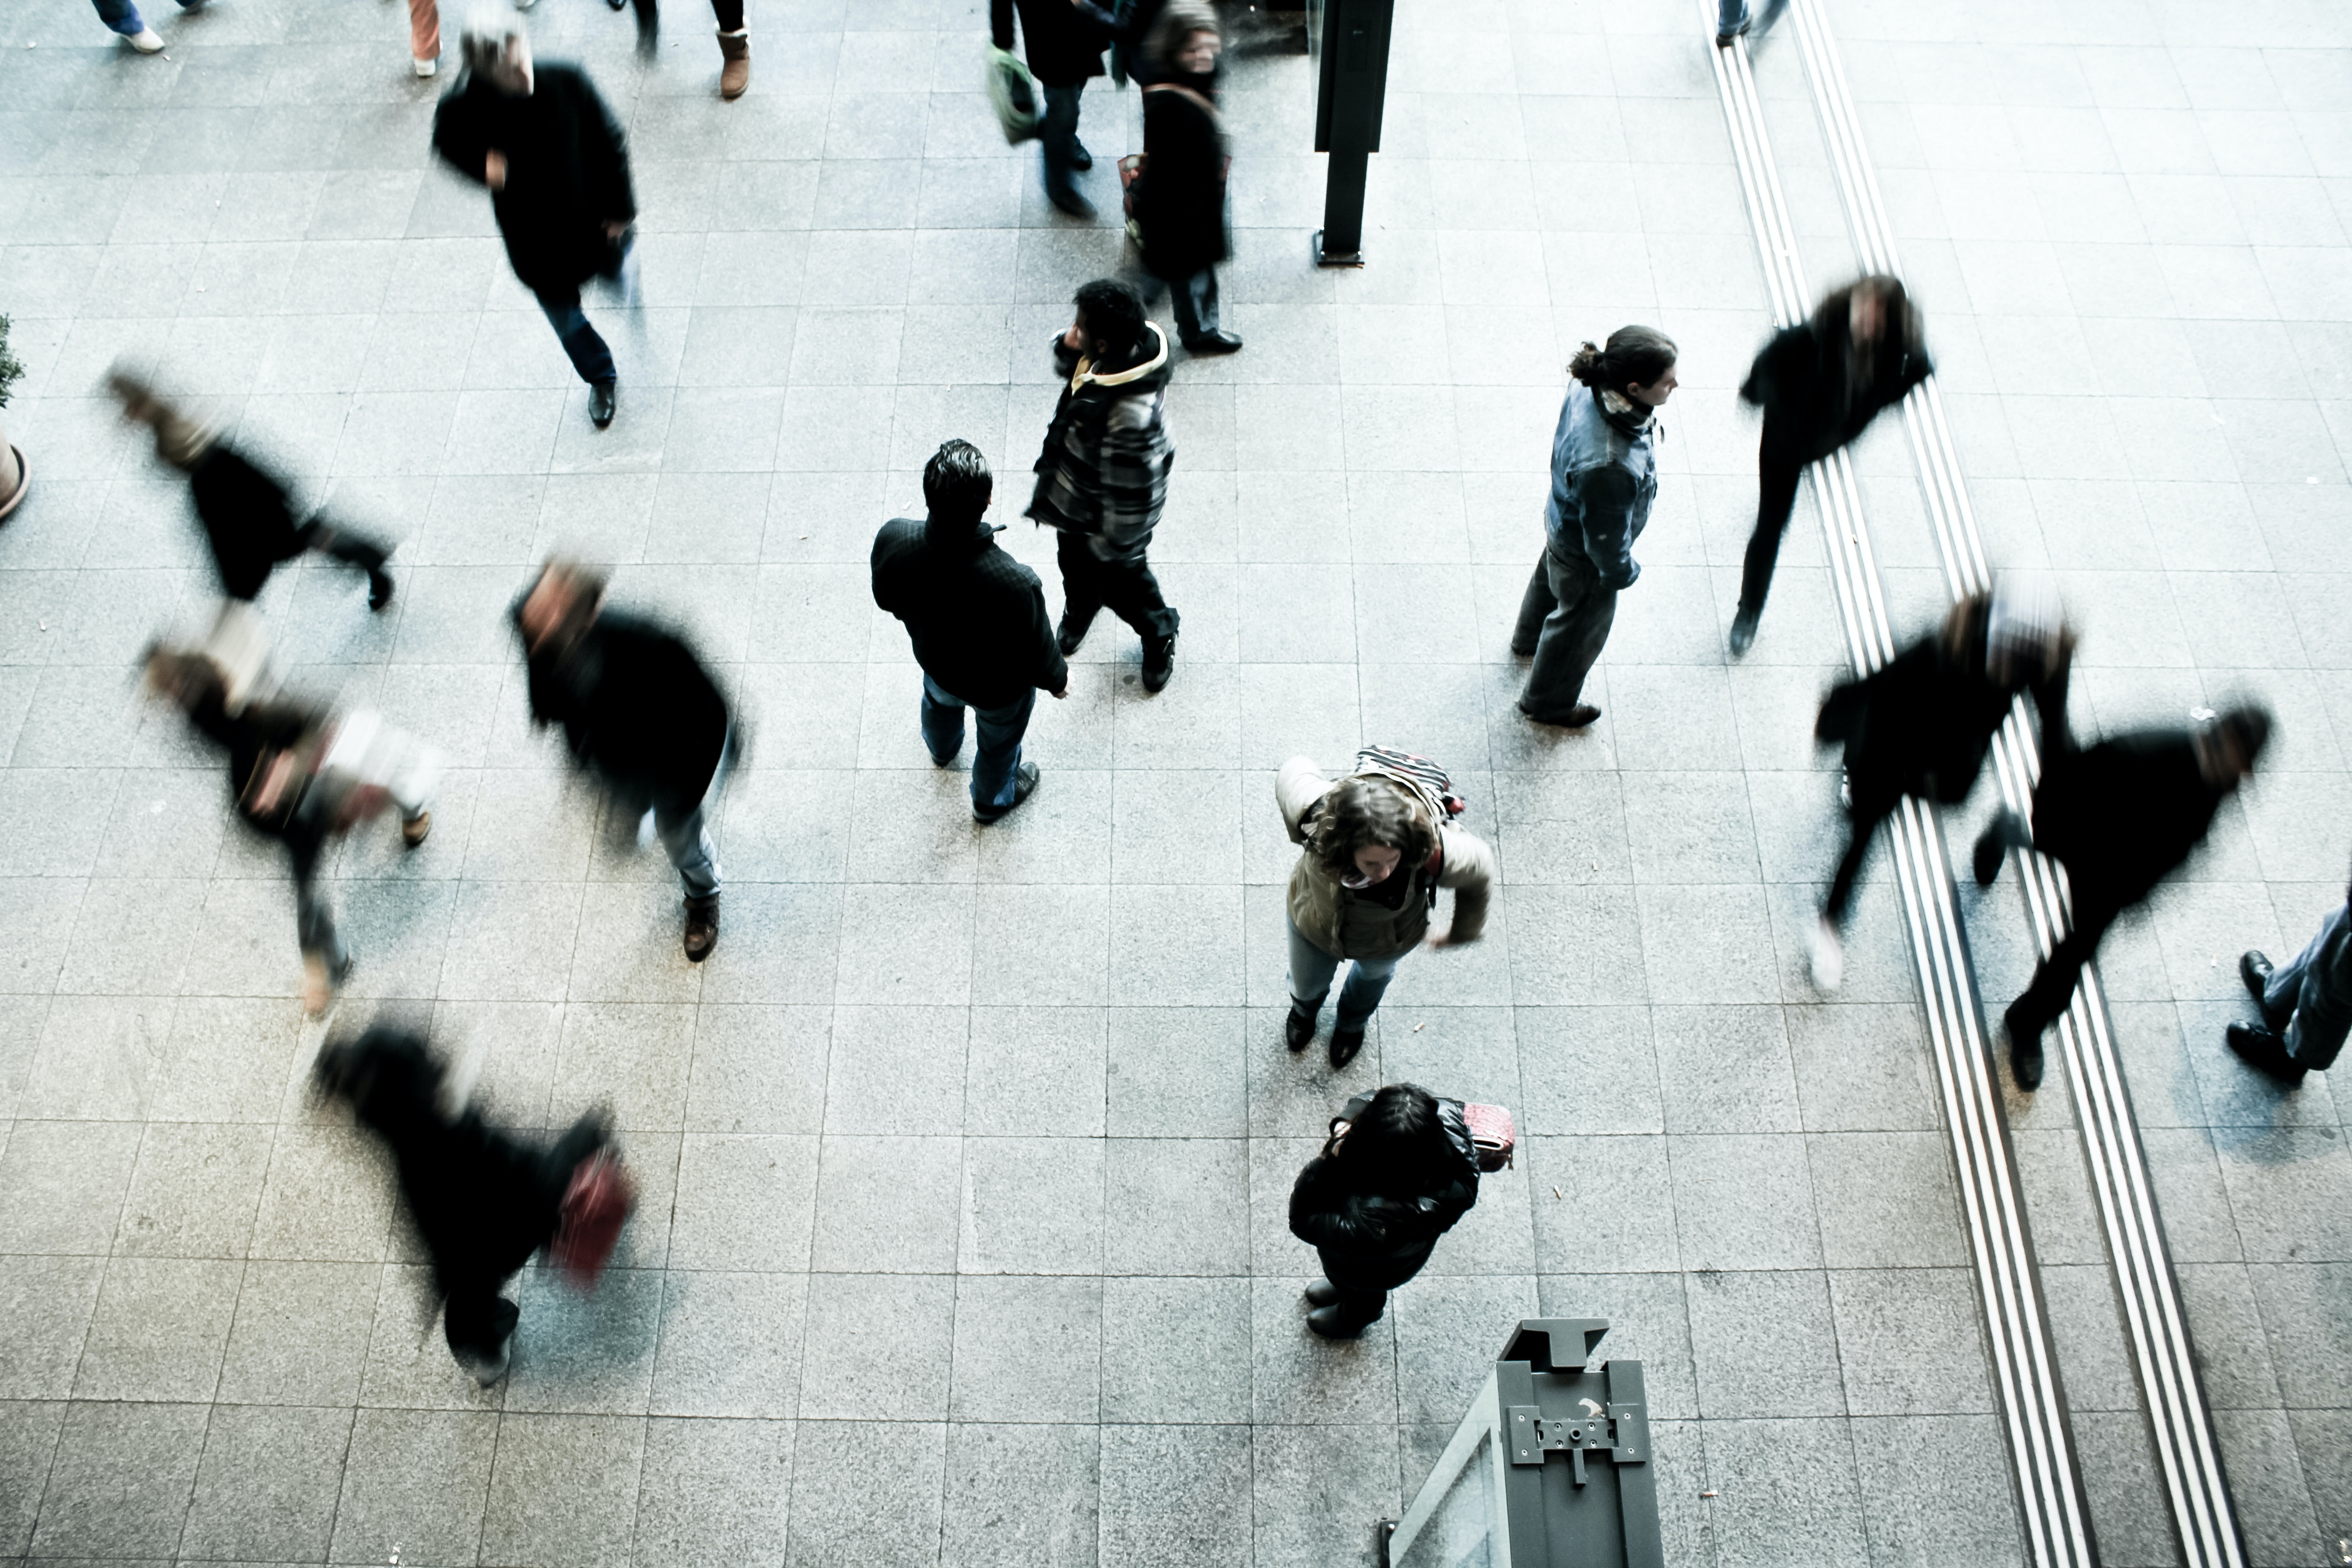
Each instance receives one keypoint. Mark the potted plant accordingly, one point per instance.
(16, 474)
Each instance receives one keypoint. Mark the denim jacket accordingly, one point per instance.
(1604, 475)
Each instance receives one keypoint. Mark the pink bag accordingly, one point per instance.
(1493, 1132)
(596, 1203)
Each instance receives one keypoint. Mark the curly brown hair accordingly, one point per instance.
(1360, 812)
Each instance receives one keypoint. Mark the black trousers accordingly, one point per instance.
(1861, 825)
(341, 544)
(1126, 588)
(1776, 498)
(476, 1320)
(2054, 978)
(1364, 1283)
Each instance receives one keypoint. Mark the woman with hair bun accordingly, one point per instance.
(1604, 475)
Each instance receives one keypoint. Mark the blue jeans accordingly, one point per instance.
(1001, 729)
(1311, 970)
(590, 356)
(124, 16)
(2322, 1017)
(1059, 131)
(1196, 305)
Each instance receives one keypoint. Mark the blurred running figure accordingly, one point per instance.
(124, 16)
(1064, 41)
(640, 714)
(2307, 1007)
(1102, 478)
(303, 777)
(482, 1201)
(557, 167)
(1604, 475)
(1179, 197)
(2120, 817)
(1924, 722)
(1821, 383)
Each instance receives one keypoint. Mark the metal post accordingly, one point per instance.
(1349, 39)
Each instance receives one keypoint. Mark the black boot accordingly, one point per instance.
(2265, 1052)
(1071, 632)
(1298, 1030)
(1159, 662)
(1322, 1293)
(2256, 969)
(1345, 1044)
(2024, 1044)
(1327, 1323)
(701, 927)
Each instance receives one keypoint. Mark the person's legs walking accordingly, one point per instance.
(1195, 301)
(997, 761)
(1537, 603)
(588, 352)
(1573, 635)
(1131, 592)
(480, 1324)
(1776, 498)
(1081, 592)
(1730, 20)
(942, 723)
(2053, 986)
(1058, 135)
(1360, 998)
(424, 35)
(326, 959)
(686, 837)
(734, 47)
(2315, 1033)
(1311, 970)
(353, 550)
(124, 16)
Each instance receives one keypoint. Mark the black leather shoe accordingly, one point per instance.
(2264, 1052)
(1024, 784)
(1322, 1293)
(1345, 1044)
(1298, 1030)
(701, 928)
(2256, 969)
(379, 590)
(1067, 637)
(1327, 1322)
(1989, 852)
(600, 404)
(1580, 717)
(1159, 663)
(1081, 160)
(1071, 203)
(1217, 343)
(2024, 1046)
(1743, 632)
(1723, 39)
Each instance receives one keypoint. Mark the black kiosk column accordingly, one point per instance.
(1350, 40)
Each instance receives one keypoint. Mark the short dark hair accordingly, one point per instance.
(1113, 313)
(956, 481)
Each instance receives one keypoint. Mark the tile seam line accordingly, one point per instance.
(2024, 1372)
(2180, 1415)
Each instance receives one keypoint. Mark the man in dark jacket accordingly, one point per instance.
(979, 623)
(482, 1201)
(248, 513)
(1102, 477)
(2307, 1007)
(639, 713)
(542, 140)
(2120, 817)
(1821, 383)
(1064, 41)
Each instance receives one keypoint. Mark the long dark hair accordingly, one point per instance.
(1636, 356)
(1398, 1145)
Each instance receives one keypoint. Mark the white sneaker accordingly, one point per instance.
(1828, 956)
(427, 68)
(147, 41)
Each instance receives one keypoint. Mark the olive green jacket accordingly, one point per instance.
(1347, 926)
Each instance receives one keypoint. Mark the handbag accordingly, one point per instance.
(1013, 93)
(597, 1202)
(1493, 1134)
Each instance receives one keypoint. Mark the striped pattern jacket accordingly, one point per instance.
(1103, 472)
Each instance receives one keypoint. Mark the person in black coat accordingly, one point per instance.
(2120, 817)
(482, 1201)
(1923, 722)
(1374, 1202)
(1063, 42)
(1820, 384)
(1180, 198)
(249, 514)
(543, 140)
(639, 713)
(979, 623)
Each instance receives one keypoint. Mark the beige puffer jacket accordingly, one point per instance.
(1346, 926)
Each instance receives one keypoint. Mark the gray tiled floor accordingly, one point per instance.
(966, 1157)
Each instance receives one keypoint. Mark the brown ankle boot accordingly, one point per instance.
(736, 74)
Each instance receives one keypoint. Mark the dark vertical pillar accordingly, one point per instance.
(1351, 39)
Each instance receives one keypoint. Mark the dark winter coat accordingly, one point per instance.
(2123, 815)
(977, 616)
(635, 705)
(1180, 200)
(1922, 724)
(248, 517)
(1103, 471)
(1380, 1240)
(253, 733)
(567, 170)
(1064, 43)
(1803, 380)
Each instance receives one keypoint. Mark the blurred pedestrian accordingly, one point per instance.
(640, 714)
(2120, 817)
(1377, 849)
(734, 40)
(1604, 475)
(1732, 20)
(482, 1201)
(1131, 25)
(543, 140)
(124, 16)
(1374, 1202)
(1063, 42)
(979, 623)
(1102, 477)
(1180, 197)
(1820, 384)
(304, 777)
(2307, 1007)
(1923, 722)
(249, 514)
(424, 36)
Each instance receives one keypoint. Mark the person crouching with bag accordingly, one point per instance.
(1374, 1202)
(1375, 857)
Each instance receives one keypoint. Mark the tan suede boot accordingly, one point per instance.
(736, 75)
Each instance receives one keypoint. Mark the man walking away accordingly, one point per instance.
(557, 167)
(640, 715)
(1102, 478)
(2120, 817)
(979, 624)
(1604, 475)
(1064, 41)
(2307, 1007)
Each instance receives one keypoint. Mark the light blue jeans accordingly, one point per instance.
(998, 758)
(2322, 1016)
(1311, 970)
(124, 16)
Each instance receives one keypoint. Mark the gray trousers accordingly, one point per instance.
(2322, 1017)
(1564, 621)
